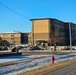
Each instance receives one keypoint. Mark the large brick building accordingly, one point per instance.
(52, 31)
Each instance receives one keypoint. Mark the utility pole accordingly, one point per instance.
(4, 39)
(70, 35)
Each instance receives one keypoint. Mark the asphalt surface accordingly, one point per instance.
(68, 70)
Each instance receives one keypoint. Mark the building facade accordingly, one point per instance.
(57, 35)
(70, 31)
(14, 37)
(52, 31)
(40, 30)
(73, 33)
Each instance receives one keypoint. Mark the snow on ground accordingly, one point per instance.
(22, 57)
(10, 68)
(14, 68)
(19, 57)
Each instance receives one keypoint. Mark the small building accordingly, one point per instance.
(15, 37)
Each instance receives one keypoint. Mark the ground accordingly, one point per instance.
(51, 67)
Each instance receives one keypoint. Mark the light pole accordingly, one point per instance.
(70, 35)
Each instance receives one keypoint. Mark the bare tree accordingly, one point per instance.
(0, 41)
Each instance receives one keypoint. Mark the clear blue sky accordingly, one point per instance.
(64, 10)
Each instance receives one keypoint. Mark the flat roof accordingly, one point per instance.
(45, 18)
(10, 32)
(13, 32)
(70, 23)
(41, 19)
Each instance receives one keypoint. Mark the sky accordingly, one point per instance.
(64, 10)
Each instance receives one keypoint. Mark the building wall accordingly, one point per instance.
(73, 34)
(24, 38)
(52, 30)
(57, 32)
(30, 38)
(40, 30)
(13, 38)
(67, 34)
(17, 38)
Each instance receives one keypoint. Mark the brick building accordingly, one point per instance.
(52, 31)
(14, 37)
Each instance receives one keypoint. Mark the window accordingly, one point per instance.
(12, 38)
(12, 35)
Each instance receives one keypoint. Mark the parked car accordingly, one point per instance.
(5, 48)
(19, 47)
(35, 48)
(73, 48)
(0, 49)
(14, 49)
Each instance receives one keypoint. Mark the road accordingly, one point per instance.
(68, 70)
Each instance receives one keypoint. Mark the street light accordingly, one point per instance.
(70, 36)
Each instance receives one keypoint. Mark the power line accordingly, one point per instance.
(16, 12)
(13, 10)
